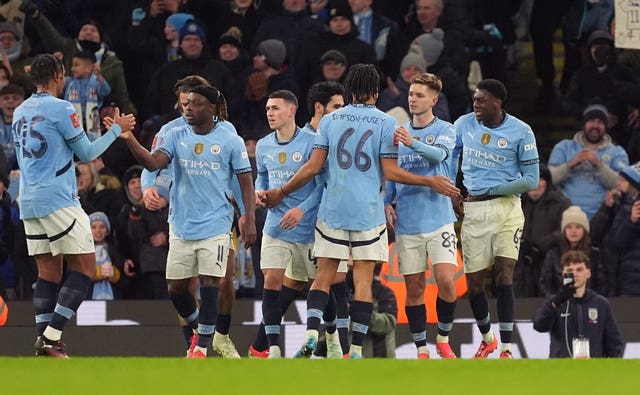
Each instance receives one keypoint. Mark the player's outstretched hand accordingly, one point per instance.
(443, 185)
(125, 121)
(273, 197)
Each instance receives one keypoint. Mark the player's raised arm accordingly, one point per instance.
(150, 161)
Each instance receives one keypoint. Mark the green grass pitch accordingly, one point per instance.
(139, 376)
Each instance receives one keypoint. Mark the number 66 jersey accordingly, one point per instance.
(44, 127)
(355, 137)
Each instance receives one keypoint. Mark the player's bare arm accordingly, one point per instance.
(441, 184)
(150, 161)
(248, 231)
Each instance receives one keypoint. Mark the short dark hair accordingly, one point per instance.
(189, 82)
(575, 256)
(44, 68)
(322, 92)
(495, 87)
(87, 56)
(285, 95)
(12, 89)
(362, 83)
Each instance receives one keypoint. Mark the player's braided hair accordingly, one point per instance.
(362, 83)
(215, 97)
(322, 92)
(44, 68)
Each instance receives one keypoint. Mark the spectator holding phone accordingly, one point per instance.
(580, 322)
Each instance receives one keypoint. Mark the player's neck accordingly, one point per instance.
(315, 121)
(496, 120)
(51, 88)
(286, 132)
(422, 120)
(205, 127)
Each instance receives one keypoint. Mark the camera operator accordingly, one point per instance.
(580, 322)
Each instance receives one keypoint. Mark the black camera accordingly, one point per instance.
(567, 279)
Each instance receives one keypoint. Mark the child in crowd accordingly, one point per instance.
(107, 260)
(86, 90)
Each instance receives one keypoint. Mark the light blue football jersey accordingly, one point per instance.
(277, 162)
(492, 157)
(148, 178)
(356, 137)
(44, 127)
(203, 165)
(420, 209)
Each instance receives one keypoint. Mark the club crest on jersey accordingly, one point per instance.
(486, 137)
(502, 142)
(297, 156)
(593, 315)
(215, 149)
(74, 120)
(199, 148)
(282, 157)
(430, 139)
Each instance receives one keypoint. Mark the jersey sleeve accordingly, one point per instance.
(68, 121)
(321, 138)
(239, 157)
(262, 180)
(164, 143)
(387, 148)
(528, 151)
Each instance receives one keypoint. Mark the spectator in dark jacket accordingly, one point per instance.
(601, 222)
(574, 236)
(625, 235)
(602, 79)
(195, 60)
(269, 75)
(543, 208)
(342, 35)
(576, 312)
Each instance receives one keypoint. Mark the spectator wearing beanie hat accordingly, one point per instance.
(431, 46)
(542, 208)
(192, 38)
(624, 235)
(195, 60)
(334, 66)
(587, 166)
(172, 27)
(270, 74)
(272, 52)
(342, 36)
(17, 53)
(108, 262)
(574, 235)
(233, 55)
(396, 94)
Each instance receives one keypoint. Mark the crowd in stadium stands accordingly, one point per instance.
(129, 55)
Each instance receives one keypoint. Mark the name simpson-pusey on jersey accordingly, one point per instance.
(357, 118)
